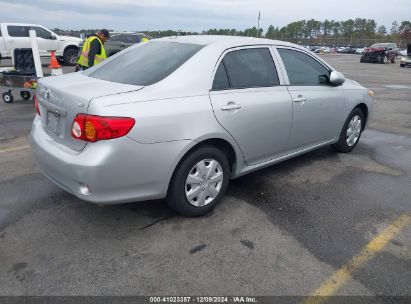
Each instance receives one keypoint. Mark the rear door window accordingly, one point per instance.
(249, 68)
(18, 31)
(303, 70)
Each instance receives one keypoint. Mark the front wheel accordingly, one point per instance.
(70, 56)
(351, 132)
(199, 182)
(384, 59)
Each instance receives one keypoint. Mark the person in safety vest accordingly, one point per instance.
(93, 51)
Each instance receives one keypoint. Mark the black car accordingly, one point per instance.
(381, 53)
(121, 41)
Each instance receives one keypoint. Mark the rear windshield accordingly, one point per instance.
(146, 64)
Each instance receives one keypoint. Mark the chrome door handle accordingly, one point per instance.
(300, 98)
(231, 106)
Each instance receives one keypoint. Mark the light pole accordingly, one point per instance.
(258, 23)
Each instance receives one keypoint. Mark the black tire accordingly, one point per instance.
(393, 59)
(70, 56)
(384, 59)
(176, 196)
(8, 97)
(362, 59)
(25, 95)
(342, 145)
(402, 65)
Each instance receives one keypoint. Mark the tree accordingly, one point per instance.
(270, 32)
(347, 27)
(327, 27)
(381, 30)
(404, 26)
(394, 28)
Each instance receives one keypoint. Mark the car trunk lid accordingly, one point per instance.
(61, 98)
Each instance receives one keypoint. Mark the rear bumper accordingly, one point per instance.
(116, 171)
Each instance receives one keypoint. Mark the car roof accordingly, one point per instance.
(21, 24)
(226, 41)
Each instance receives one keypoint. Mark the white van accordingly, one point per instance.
(16, 35)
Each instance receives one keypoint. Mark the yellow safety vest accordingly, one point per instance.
(83, 60)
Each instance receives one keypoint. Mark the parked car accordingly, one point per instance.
(121, 41)
(360, 50)
(322, 50)
(16, 35)
(178, 117)
(349, 50)
(380, 52)
(403, 52)
(406, 60)
(340, 49)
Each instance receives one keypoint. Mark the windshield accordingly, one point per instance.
(146, 64)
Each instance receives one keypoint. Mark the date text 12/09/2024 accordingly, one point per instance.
(237, 299)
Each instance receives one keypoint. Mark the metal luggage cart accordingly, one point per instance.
(21, 78)
(22, 83)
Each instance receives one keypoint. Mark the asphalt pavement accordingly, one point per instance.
(285, 230)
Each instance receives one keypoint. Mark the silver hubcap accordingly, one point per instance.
(204, 182)
(72, 57)
(354, 130)
(385, 59)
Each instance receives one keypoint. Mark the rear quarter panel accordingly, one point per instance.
(190, 119)
(183, 118)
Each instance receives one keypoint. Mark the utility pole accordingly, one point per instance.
(258, 23)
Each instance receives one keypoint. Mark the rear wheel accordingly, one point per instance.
(7, 97)
(351, 132)
(384, 59)
(25, 95)
(393, 59)
(199, 182)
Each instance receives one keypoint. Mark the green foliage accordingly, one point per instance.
(359, 31)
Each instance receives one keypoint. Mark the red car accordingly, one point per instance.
(380, 52)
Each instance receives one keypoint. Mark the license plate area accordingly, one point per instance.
(53, 122)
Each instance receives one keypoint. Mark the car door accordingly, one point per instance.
(18, 38)
(317, 105)
(45, 41)
(251, 103)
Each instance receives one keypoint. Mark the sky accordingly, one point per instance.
(194, 15)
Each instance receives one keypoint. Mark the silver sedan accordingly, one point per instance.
(178, 117)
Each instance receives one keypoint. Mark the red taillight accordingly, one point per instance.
(36, 104)
(94, 128)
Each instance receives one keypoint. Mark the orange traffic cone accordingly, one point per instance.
(54, 65)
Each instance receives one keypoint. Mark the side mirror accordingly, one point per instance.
(336, 78)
